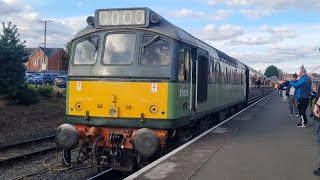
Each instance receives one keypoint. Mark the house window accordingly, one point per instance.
(43, 61)
(35, 62)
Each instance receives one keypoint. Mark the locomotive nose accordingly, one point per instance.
(145, 142)
(67, 137)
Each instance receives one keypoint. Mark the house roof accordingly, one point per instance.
(49, 52)
(30, 51)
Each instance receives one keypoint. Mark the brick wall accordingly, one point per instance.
(56, 62)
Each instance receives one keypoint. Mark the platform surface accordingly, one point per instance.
(261, 143)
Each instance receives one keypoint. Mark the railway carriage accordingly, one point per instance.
(136, 81)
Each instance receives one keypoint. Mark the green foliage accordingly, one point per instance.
(59, 93)
(68, 47)
(28, 95)
(67, 55)
(46, 91)
(271, 71)
(12, 57)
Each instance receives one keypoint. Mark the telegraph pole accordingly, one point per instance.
(44, 49)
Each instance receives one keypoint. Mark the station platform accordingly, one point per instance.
(260, 143)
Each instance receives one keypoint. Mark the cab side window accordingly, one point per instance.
(184, 65)
(155, 52)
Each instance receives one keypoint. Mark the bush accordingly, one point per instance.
(45, 91)
(59, 93)
(27, 95)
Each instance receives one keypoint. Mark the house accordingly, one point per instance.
(50, 59)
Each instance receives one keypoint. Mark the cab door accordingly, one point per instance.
(199, 79)
(202, 77)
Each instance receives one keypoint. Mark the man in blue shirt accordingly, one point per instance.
(303, 90)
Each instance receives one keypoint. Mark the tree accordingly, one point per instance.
(66, 57)
(12, 57)
(271, 71)
(280, 74)
(314, 74)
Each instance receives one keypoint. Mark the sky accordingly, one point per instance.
(260, 33)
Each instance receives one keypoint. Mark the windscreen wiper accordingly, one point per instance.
(153, 40)
(95, 44)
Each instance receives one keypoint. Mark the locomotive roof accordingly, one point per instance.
(167, 28)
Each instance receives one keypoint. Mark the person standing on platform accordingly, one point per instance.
(316, 111)
(285, 86)
(303, 90)
(290, 93)
(280, 88)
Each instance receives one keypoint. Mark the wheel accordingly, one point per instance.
(222, 115)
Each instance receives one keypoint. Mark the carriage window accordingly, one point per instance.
(218, 73)
(119, 49)
(87, 51)
(211, 71)
(155, 51)
(184, 65)
(241, 76)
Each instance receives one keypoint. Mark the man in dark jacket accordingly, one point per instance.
(303, 90)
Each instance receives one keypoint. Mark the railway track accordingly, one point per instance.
(22, 150)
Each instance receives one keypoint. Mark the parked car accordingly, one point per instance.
(48, 78)
(30, 78)
(61, 81)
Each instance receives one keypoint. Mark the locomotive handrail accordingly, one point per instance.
(197, 65)
(191, 86)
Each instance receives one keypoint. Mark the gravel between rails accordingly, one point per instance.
(20, 151)
(47, 166)
(19, 122)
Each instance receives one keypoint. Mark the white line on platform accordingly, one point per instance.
(91, 178)
(158, 161)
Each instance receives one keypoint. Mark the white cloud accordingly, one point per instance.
(11, 1)
(271, 4)
(222, 14)
(252, 40)
(186, 13)
(59, 32)
(265, 35)
(223, 32)
(256, 13)
(9, 7)
(286, 47)
(289, 59)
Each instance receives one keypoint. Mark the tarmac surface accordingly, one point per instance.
(261, 143)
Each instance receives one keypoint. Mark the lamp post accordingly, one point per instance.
(44, 48)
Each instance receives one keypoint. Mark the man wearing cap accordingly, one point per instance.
(303, 90)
